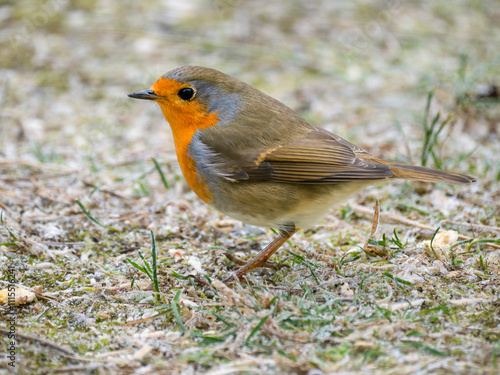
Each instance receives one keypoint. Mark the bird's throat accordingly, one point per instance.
(184, 126)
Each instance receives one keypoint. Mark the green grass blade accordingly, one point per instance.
(432, 241)
(397, 279)
(257, 327)
(427, 348)
(7, 229)
(175, 309)
(8, 244)
(179, 276)
(92, 218)
(140, 268)
(147, 267)
(460, 243)
(162, 175)
(155, 269)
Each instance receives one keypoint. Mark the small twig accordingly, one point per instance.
(8, 210)
(394, 217)
(37, 177)
(14, 195)
(62, 243)
(472, 226)
(105, 191)
(403, 220)
(471, 301)
(143, 320)
(376, 218)
(68, 217)
(38, 165)
(41, 341)
(112, 275)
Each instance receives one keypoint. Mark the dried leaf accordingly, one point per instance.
(16, 297)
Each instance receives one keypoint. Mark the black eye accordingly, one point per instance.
(186, 93)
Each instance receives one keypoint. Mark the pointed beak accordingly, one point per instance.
(144, 94)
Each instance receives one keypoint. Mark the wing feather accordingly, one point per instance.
(316, 157)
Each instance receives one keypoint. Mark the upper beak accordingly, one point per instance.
(144, 94)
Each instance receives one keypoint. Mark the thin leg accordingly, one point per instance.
(260, 259)
(241, 262)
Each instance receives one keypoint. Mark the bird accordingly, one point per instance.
(256, 160)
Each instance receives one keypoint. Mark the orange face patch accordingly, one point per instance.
(185, 119)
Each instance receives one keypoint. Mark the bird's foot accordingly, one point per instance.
(265, 264)
(239, 275)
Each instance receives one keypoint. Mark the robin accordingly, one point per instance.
(256, 160)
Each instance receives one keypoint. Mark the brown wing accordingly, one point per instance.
(321, 157)
(314, 157)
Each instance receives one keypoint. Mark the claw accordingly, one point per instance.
(235, 259)
(261, 260)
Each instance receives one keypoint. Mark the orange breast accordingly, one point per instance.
(185, 119)
(188, 167)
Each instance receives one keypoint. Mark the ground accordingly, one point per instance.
(413, 82)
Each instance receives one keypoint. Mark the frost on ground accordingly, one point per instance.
(407, 298)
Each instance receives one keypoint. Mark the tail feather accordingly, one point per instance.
(424, 174)
(414, 173)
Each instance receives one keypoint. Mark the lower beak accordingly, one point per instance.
(144, 94)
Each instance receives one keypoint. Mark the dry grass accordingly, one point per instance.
(352, 303)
